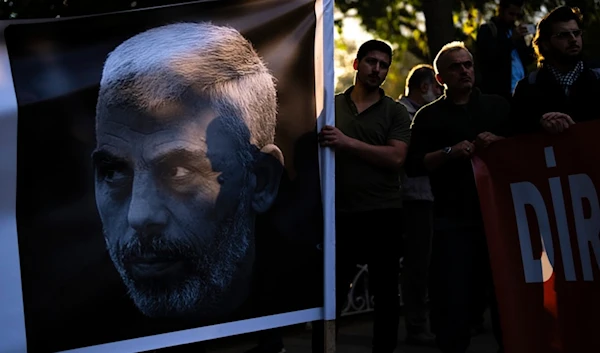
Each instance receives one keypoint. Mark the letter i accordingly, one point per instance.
(558, 203)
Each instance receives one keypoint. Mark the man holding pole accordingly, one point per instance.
(371, 142)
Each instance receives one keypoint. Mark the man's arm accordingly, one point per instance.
(436, 159)
(392, 155)
(425, 154)
(422, 139)
(389, 156)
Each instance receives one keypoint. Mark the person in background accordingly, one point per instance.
(445, 135)
(502, 53)
(421, 89)
(565, 88)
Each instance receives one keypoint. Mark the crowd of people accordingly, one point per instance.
(404, 179)
(409, 159)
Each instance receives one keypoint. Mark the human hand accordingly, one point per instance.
(484, 139)
(520, 31)
(331, 136)
(555, 122)
(464, 149)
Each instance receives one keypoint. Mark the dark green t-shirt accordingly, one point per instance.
(361, 185)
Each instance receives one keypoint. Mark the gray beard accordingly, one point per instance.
(203, 292)
(429, 96)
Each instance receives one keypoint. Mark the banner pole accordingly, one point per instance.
(329, 333)
(324, 49)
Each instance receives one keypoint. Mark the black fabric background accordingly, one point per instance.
(73, 296)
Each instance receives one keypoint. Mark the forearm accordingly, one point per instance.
(434, 160)
(383, 156)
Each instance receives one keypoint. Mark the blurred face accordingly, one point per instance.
(456, 70)
(565, 44)
(510, 14)
(372, 69)
(431, 91)
(175, 207)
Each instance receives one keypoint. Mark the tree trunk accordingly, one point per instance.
(439, 24)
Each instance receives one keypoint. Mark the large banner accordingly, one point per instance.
(539, 197)
(165, 171)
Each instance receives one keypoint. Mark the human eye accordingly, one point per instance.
(177, 173)
(114, 174)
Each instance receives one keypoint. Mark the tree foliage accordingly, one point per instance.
(416, 28)
(423, 26)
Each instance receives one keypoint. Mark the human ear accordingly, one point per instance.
(268, 169)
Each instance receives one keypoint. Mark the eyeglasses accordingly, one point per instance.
(569, 34)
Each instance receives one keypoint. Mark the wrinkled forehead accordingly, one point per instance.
(144, 120)
(454, 56)
(131, 128)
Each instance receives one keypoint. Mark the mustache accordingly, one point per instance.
(151, 247)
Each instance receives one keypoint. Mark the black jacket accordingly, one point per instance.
(532, 100)
(494, 58)
(442, 124)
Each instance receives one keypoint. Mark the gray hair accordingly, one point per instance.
(164, 64)
(450, 47)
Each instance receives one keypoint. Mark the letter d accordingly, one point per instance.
(536, 271)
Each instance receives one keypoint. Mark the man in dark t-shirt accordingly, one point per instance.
(371, 141)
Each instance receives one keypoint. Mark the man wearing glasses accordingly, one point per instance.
(565, 88)
(445, 135)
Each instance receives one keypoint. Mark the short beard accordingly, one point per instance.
(204, 292)
(561, 58)
(429, 96)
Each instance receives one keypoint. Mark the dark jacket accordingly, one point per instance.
(443, 124)
(494, 60)
(532, 100)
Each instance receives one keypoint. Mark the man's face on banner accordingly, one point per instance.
(175, 204)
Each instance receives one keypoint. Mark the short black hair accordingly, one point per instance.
(544, 28)
(419, 74)
(373, 45)
(506, 3)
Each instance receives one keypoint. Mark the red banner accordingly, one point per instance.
(539, 198)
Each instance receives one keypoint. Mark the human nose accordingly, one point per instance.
(146, 211)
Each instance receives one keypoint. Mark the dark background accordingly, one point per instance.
(72, 294)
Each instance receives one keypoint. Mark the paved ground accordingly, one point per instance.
(355, 337)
